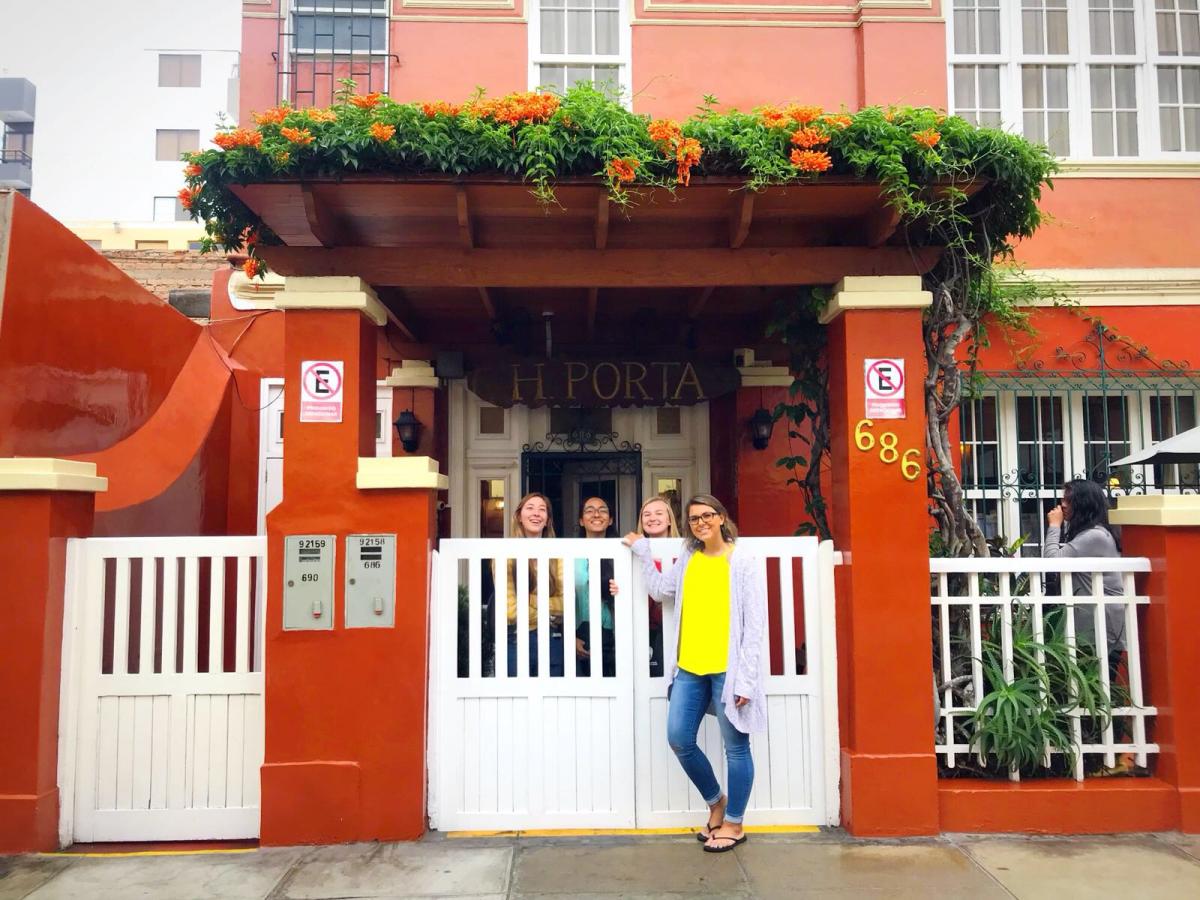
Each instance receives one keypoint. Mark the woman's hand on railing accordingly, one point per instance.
(613, 587)
(630, 539)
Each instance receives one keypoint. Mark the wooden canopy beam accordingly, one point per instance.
(637, 268)
(740, 216)
(399, 312)
(466, 235)
(320, 220)
(880, 225)
(602, 220)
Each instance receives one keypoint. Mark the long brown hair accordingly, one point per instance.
(728, 529)
(672, 525)
(515, 525)
(547, 532)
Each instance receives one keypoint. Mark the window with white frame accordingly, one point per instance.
(579, 40)
(1088, 78)
(1018, 449)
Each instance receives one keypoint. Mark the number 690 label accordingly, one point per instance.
(889, 449)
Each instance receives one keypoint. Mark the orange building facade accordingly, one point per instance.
(186, 420)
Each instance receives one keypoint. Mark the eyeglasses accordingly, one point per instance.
(703, 517)
(595, 510)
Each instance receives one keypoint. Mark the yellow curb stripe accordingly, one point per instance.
(610, 832)
(150, 852)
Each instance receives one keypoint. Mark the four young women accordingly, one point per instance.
(720, 619)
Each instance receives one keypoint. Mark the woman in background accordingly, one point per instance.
(533, 518)
(595, 520)
(656, 519)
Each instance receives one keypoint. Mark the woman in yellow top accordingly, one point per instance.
(720, 617)
(533, 518)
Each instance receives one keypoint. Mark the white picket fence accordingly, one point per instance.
(996, 592)
(161, 715)
(588, 751)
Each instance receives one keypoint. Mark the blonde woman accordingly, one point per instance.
(720, 617)
(534, 518)
(657, 520)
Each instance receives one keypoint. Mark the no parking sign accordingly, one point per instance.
(321, 391)
(885, 388)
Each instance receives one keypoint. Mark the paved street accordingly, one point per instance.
(605, 868)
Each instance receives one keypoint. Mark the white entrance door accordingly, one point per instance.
(512, 749)
(587, 751)
(796, 759)
(270, 442)
(161, 715)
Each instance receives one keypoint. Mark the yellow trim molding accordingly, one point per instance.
(1130, 168)
(875, 292)
(332, 292)
(381, 472)
(1119, 287)
(412, 373)
(47, 474)
(765, 376)
(1167, 510)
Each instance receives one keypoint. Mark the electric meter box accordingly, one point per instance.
(308, 581)
(370, 580)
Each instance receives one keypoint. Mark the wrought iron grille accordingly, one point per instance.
(1027, 431)
(321, 42)
(582, 463)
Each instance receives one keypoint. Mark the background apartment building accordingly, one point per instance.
(121, 90)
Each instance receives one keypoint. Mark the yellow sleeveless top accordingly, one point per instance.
(704, 631)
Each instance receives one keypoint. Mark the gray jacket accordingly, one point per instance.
(747, 627)
(1097, 541)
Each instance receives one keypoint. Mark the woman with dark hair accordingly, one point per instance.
(1078, 527)
(720, 616)
(595, 520)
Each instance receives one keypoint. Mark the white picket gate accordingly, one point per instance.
(161, 717)
(587, 751)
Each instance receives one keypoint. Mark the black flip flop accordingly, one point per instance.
(724, 837)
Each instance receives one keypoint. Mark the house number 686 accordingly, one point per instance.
(889, 449)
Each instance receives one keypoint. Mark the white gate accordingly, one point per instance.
(161, 717)
(588, 751)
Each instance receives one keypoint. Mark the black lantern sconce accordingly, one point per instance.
(761, 425)
(408, 428)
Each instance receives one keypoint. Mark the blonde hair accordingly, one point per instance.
(515, 525)
(672, 525)
(728, 529)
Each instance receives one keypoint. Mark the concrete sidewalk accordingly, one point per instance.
(768, 866)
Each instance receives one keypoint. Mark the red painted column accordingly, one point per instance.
(34, 527)
(345, 708)
(766, 503)
(881, 524)
(1169, 626)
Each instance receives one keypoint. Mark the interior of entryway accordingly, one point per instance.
(623, 455)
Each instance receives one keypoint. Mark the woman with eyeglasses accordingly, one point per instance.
(720, 618)
(595, 520)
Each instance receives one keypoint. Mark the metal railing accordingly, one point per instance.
(1003, 626)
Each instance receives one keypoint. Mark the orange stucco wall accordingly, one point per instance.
(94, 352)
(1108, 223)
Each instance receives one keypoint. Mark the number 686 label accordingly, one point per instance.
(889, 449)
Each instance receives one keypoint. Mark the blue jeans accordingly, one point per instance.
(556, 653)
(690, 698)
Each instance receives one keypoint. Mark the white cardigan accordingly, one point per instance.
(747, 626)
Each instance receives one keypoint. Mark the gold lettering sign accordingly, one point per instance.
(604, 382)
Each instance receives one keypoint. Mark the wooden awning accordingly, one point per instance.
(442, 251)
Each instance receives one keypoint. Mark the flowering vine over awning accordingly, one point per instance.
(540, 138)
